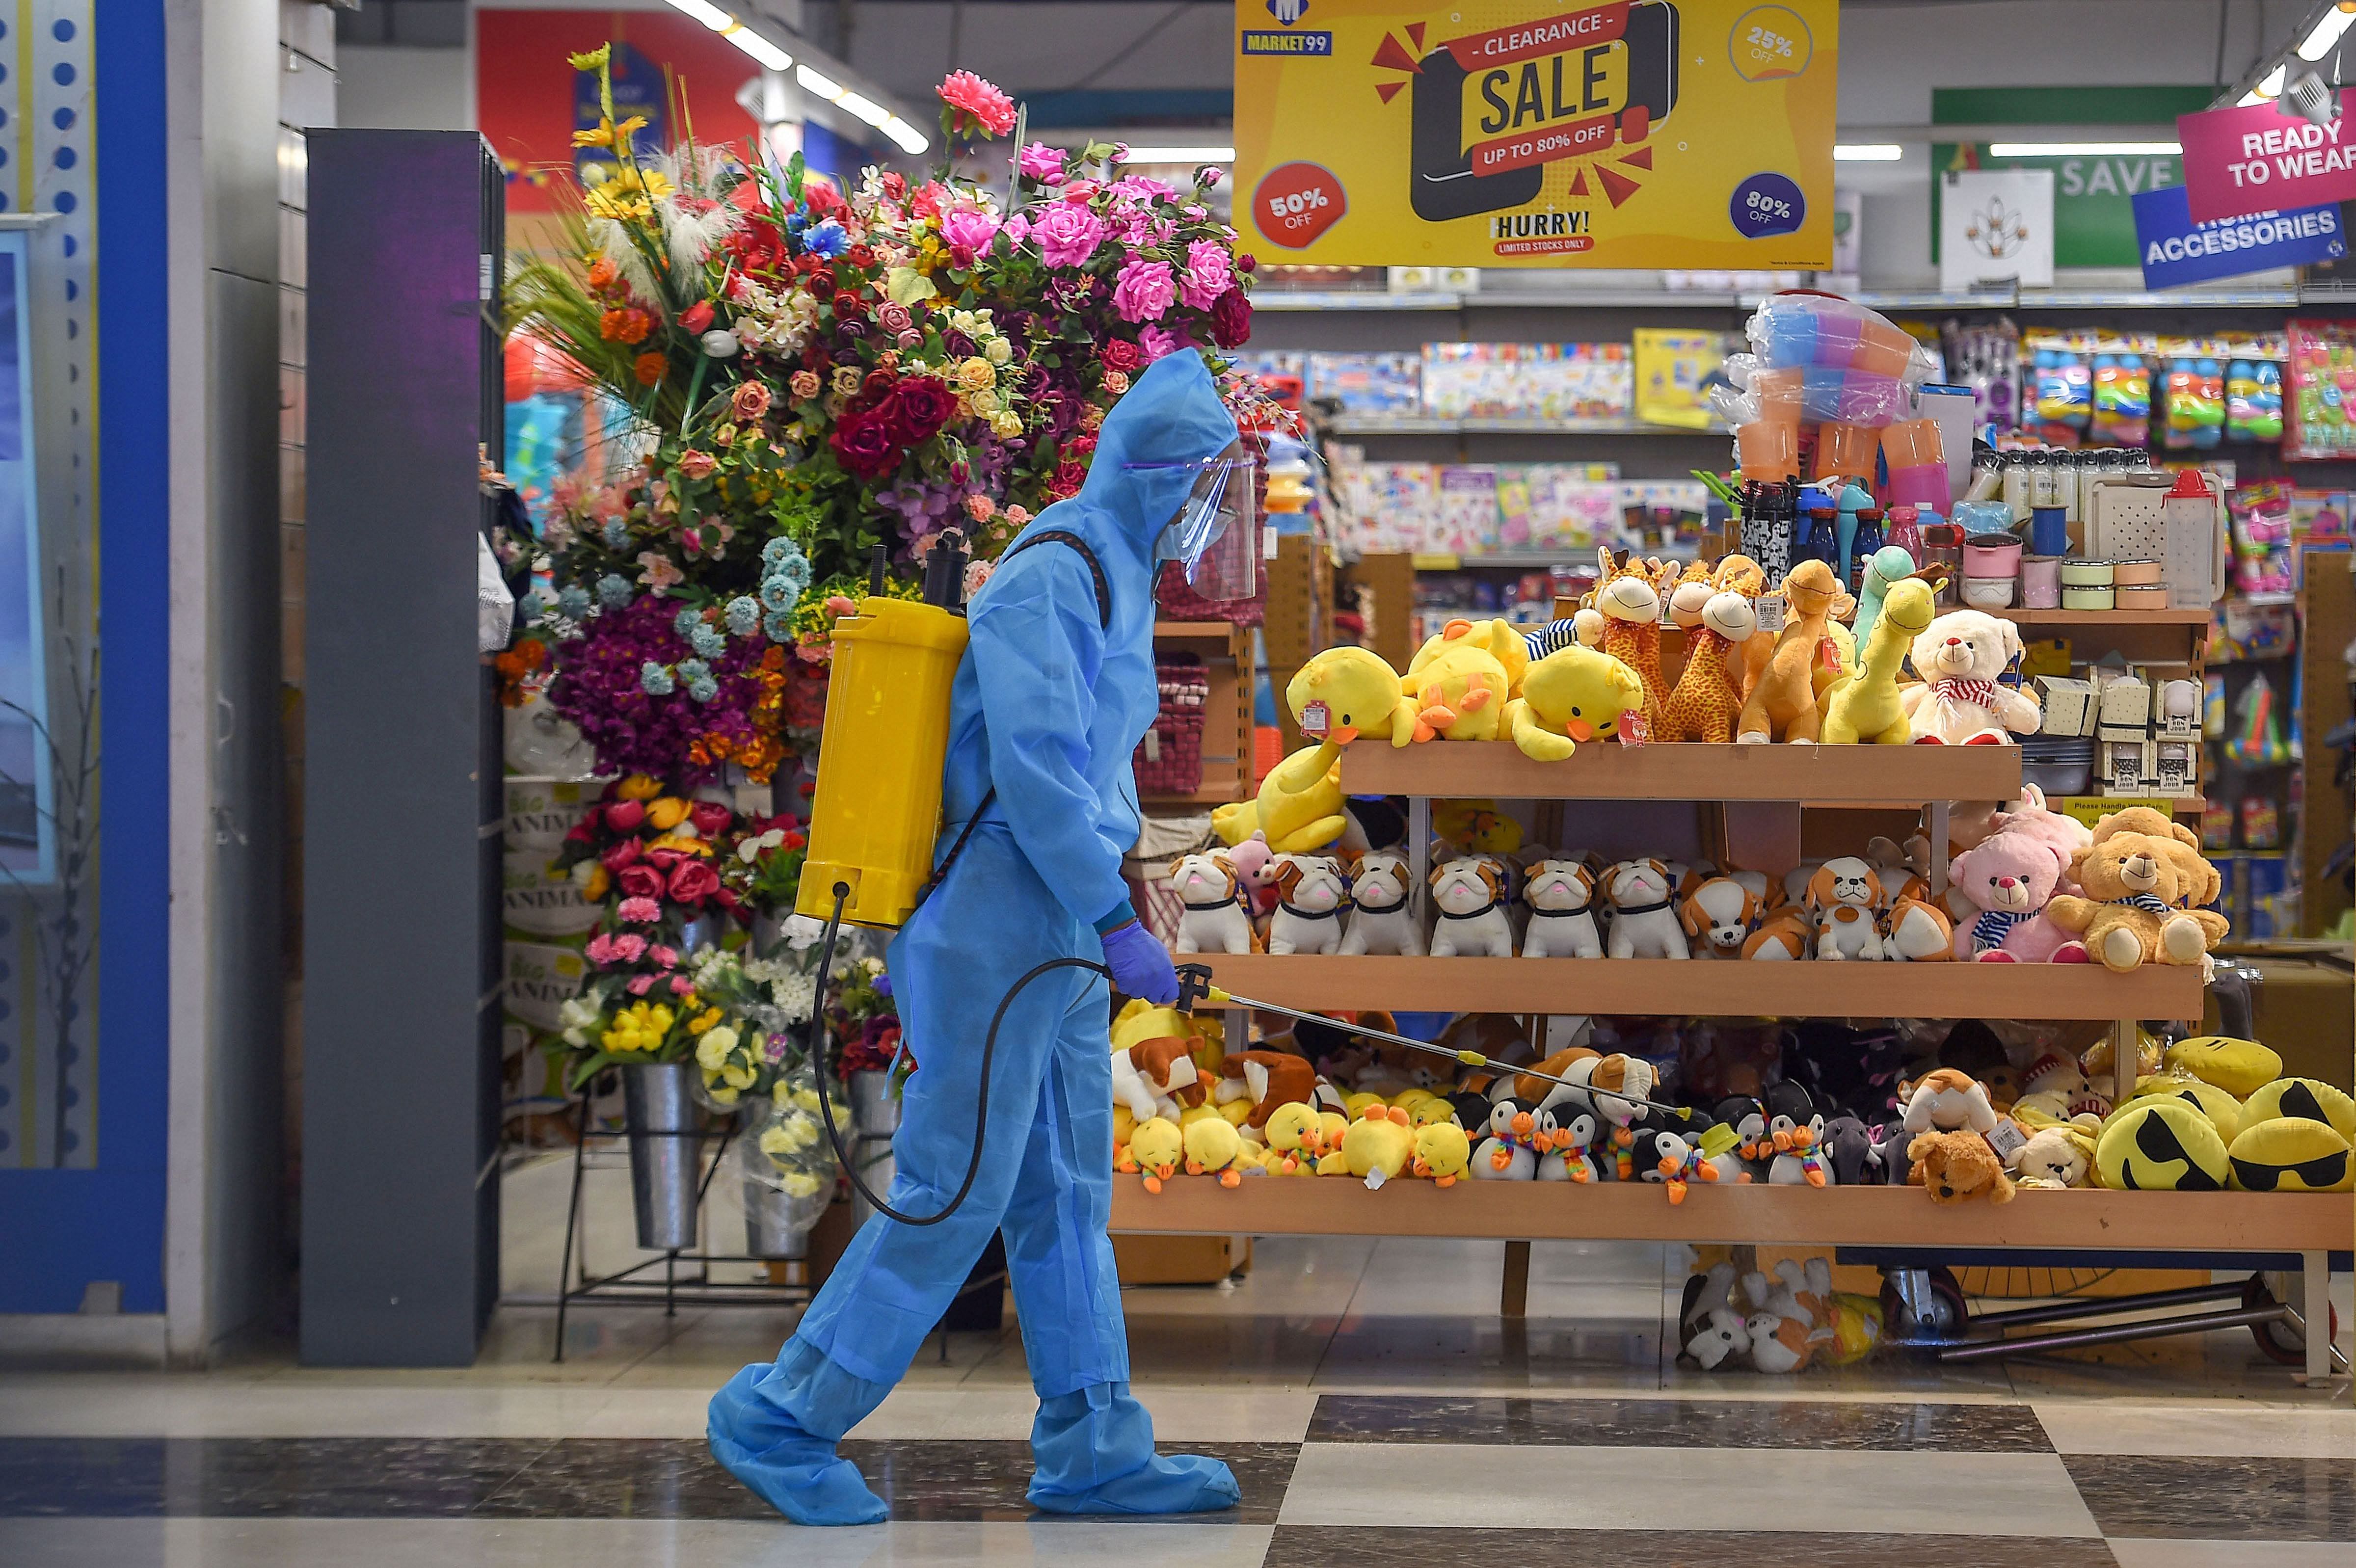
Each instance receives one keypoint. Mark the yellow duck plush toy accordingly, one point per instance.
(1865, 707)
(1459, 684)
(1300, 804)
(1346, 693)
(1213, 1146)
(1155, 1149)
(1572, 695)
(1295, 1139)
(1378, 1144)
(1443, 1155)
(1500, 639)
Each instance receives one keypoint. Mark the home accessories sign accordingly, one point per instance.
(1524, 133)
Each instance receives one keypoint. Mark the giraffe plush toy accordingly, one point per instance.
(1706, 702)
(1624, 619)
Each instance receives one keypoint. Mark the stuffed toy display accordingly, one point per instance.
(1460, 684)
(1343, 693)
(2239, 1067)
(1382, 917)
(1867, 705)
(1782, 705)
(1212, 917)
(1298, 808)
(1573, 694)
(1561, 895)
(2161, 1145)
(1469, 897)
(1643, 915)
(1960, 657)
(1312, 892)
(1706, 699)
(2139, 893)
(2008, 877)
(1623, 617)
(1956, 1167)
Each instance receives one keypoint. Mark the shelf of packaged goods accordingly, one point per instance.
(1703, 987)
(2079, 1219)
(1685, 771)
(2188, 618)
(1576, 424)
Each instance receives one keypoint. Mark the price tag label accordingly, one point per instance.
(1635, 728)
(1315, 722)
(1772, 609)
(1828, 652)
(2005, 1138)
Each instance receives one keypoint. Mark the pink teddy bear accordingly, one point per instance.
(1254, 871)
(2009, 877)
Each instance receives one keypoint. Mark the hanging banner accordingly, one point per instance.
(2176, 250)
(1691, 134)
(2259, 159)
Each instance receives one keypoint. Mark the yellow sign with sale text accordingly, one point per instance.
(1688, 133)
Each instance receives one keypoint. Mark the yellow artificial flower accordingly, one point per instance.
(603, 202)
(998, 351)
(984, 401)
(642, 1026)
(1005, 426)
(721, 1095)
(847, 379)
(679, 842)
(639, 787)
(608, 134)
(801, 1184)
(738, 1078)
(704, 1023)
(601, 881)
(666, 813)
(977, 373)
(712, 1051)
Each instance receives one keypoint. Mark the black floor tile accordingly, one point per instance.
(334, 1477)
(2218, 1499)
(1665, 1423)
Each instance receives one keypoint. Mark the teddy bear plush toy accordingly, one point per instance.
(1957, 1167)
(2008, 878)
(1959, 656)
(2138, 890)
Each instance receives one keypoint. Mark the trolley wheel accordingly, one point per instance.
(1949, 1318)
(2277, 1342)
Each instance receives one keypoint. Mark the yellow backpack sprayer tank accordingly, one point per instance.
(877, 812)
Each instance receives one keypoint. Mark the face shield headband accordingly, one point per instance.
(1216, 535)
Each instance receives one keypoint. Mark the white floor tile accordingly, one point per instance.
(611, 1543)
(1685, 1489)
(136, 1406)
(2234, 1428)
(2230, 1553)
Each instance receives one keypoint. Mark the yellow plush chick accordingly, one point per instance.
(1572, 695)
(1293, 1136)
(1300, 804)
(1345, 693)
(1499, 639)
(1378, 1145)
(1333, 1162)
(1461, 688)
(1431, 1111)
(1442, 1153)
(1236, 1111)
(1192, 1113)
(1476, 825)
(1212, 1145)
(1156, 1148)
(1123, 1124)
(1330, 1126)
(1358, 1105)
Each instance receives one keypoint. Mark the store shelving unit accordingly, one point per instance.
(1226, 652)
(1717, 778)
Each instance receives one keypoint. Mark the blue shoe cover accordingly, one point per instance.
(793, 1471)
(1095, 1454)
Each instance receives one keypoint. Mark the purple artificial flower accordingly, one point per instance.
(968, 233)
(1066, 233)
(1210, 273)
(1042, 163)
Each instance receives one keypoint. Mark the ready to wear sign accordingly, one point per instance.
(2263, 159)
(2176, 250)
(1629, 134)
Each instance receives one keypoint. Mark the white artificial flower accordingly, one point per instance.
(720, 344)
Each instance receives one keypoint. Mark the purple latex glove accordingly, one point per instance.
(1141, 965)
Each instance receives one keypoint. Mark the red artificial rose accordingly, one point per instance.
(663, 859)
(919, 409)
(710, 818)
(579, 831)
(846, 306)
(864, 446)
(874, 387)
(860, 256)
(1119, 354)
(624, 815)
(1231, 319)
(821, 280)
(692, 881)
(626, 853)
(696, 318)
(895, 183)
(639, 881)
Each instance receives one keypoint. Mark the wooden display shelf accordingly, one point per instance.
(2105, 617)
(1220, 632)
(1707, 987)
(1605, 769)
(2076, 1221)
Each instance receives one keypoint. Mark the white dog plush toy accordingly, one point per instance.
(1473, 920)
(1643, 917)
(1311, 892)
(1959, 656)
(1384, 919)
(1213, 920)
(1844, 895)
(1720, 915)
(1561, 897)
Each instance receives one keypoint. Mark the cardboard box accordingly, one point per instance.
(1151, 1259)
(2068, 704)
(2303, 1007)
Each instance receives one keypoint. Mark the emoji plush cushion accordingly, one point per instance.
(2239, 1067)
(2291, 1154)
(2311, 1098)
(2162, 1146)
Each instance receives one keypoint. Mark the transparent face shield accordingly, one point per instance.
(1216, 535)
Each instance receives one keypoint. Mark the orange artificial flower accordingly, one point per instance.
(602, 273)
(649, 368)
(625, 324)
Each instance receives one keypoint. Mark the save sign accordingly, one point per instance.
(2240, 161)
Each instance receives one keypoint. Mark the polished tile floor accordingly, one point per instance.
(1375, 1410)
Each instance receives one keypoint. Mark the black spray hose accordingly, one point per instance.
(982, 1094)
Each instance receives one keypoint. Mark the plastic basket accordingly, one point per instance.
(1180, 603)
(1168, 760)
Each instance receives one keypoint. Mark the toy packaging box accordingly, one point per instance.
(1670, 368)
(1527, 380)
(1368, 383)
(2317, 420)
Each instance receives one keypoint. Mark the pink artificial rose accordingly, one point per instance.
(1016, 229)
(1067, 234)
(624, 816)
(1144, 289)
(629, 947)
(1209, 274)
(626, 853)
(663, 957)
(639, 985)
(968, 233)
(641, 911)
(697, 465)
(692, 881)
(711, 817)
(1018, 516)
(600, 949)
(639, 881)
(1157, 343)
(969, 96)
(1082, 190)
(1042, 163)
(749, 401)
(680, 985)
(892, 316)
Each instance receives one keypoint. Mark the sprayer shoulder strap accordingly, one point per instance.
(1096, 567)
(1104, 619)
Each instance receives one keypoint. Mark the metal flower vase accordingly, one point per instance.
(665, 1127)
(874, 1118)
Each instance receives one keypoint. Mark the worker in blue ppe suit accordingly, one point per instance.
(1047, 708)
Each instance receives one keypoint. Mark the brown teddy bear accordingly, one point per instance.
(1956, 1167)
(2183, 847)
(2137, 885)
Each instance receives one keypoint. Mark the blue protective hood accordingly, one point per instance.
(1172, 415)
